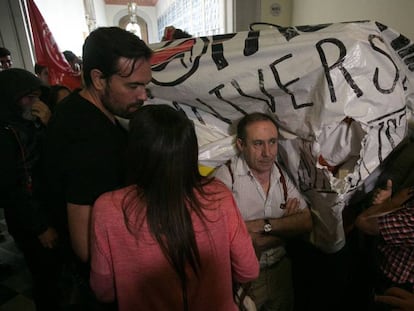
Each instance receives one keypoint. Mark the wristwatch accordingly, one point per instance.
(267, 228)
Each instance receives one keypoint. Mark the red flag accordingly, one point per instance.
(48, 53)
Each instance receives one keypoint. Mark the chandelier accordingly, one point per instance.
(132, 25)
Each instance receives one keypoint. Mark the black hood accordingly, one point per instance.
(14, 84)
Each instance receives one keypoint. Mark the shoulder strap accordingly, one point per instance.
(283, 182)
(282, 179)
(228, 164)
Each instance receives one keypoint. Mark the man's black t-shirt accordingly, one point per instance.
(84, 154)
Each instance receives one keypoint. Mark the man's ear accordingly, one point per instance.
(239, 144)
(98, 80)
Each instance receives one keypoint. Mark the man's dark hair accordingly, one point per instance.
(69, 55)
(38, 68)
(180, 34)
(252, 118)
(105, 46)
(4, 52)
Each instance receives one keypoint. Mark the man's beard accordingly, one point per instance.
(27, 113)
(120, 112)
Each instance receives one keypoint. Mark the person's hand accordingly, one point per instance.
(292, 207)
(42, 111)
(381, 195)
(48, 238)
(403, 196)
(263, 242)
(397, 297)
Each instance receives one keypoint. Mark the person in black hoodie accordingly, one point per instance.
(23, 118)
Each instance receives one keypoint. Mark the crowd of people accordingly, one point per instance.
(110, 219)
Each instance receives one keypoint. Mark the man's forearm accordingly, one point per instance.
(292, 225)
(391, 205)
(286, 226)
(368, 225)
(79, 225)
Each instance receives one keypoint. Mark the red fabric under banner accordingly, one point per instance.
(48, 53)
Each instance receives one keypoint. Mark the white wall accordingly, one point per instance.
(245, 13)
(285, 16)
(100, 13)
(396, 14)
(229, 16)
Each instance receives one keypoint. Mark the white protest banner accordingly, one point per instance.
(341, 93)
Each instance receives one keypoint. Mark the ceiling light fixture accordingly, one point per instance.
(132, 25)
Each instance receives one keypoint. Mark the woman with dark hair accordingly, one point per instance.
(172, 240)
